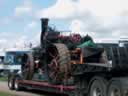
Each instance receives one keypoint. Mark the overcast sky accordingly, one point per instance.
(102, 19)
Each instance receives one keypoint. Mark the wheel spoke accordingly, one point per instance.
(53, 66)
(53, 75)
(51, 54)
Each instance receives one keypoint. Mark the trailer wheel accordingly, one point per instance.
(11, 83)
(114, 89)
(16, 84)
(98, 88)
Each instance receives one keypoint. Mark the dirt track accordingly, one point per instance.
(4, 88)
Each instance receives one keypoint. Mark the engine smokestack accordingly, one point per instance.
(44, 27)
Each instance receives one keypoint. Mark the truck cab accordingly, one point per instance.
(13, 60)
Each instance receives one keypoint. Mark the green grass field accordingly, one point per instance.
(3, 78)
(6, 94)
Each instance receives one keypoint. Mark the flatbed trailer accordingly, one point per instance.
(90, 79)
(14, 82)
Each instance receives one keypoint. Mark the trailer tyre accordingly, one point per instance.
(98, 88)
(114, 89)
(11, 83)
(16, 84)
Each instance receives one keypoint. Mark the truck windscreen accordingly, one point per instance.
(13, 58)
(9, 58)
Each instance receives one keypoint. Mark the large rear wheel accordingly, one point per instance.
(59, 66)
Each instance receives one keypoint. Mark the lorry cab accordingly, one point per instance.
(13, 60)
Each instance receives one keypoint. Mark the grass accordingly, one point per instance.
(5, 94)
(3, 78)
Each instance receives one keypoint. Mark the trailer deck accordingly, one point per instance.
(45, 86)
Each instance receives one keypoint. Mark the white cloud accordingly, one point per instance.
(3, 42)
(18, 40)
(116, 33)
(101, 8)
(104, 19)
(22, 42)
(32, 24)
(22, 9)
(25, 8)
(36, 40)
(77, 23)
(10, 39)
(61, 9)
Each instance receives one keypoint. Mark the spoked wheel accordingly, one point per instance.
(114, 89)
(59, 63)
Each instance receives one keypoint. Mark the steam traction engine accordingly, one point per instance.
(57, 52)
